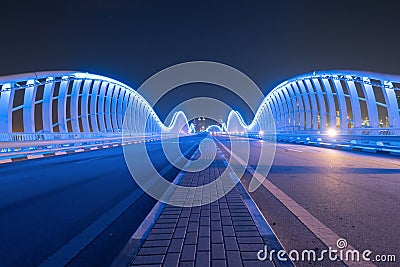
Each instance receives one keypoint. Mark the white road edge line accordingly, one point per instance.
(69, 251)
(147, 224)
(261, 223)
(66, 253)
(325, 234)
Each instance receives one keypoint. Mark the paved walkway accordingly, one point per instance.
(227, 232)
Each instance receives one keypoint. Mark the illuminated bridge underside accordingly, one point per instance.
(49, 103)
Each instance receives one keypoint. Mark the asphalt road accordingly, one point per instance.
(356, 195)
(47, 202)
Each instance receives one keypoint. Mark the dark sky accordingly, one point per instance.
(130, 40)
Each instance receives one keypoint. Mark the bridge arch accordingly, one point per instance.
(351, 102)
(343, 100)
(68, 102)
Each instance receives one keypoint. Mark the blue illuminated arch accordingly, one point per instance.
(344, 100)
(76, 102)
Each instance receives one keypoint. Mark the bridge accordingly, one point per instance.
(38, 110)
(316, 164)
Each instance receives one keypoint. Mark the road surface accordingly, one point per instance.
(47, 202)
(356, 195)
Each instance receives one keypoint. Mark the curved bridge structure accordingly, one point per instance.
(64, 103)
(351, 104)
(344, 106)
(338, 99)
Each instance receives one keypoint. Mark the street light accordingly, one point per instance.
(332, 132)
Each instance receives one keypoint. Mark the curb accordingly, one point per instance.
(130, 250)
(266, 232)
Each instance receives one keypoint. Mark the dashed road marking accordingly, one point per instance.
(71, 249)
(324, 233)
(65, 254)
(295, 150)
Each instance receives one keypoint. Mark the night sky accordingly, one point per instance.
(129, 41)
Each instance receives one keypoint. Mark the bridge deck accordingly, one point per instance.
(226, 232)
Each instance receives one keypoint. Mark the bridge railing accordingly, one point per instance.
(380, 140)
(61, 110)
(21, 137)
(371, 140)
(32, 145)
(351, 131)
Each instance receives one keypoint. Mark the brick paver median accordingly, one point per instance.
(222, 233)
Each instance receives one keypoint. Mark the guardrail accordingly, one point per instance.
(351, 131)
(365, 136)
(375, 140)
(20, 137)
(28, 146)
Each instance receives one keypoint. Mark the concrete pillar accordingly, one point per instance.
(62, 105)
(355, 103)
(301, 107)
(314, 105)
(322, 104)
(74, 105)
(85, 105)
(29, 106)
(94, 101)
(47, 105)
(307, 108)
(101, 107)
(342, 104)
(331, 102)
(108, 110)
(6, 104)
(391, 103)
(371, 102)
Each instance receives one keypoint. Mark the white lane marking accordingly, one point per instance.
(295, 150)
(65, 254)
(69, 251)
(258, 218)
(86, 160)
(147, 224)
(324, 233)
(151, 218)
